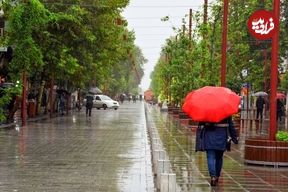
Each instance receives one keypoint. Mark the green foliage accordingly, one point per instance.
(282, 136)
(24, 19)
(77, 46)
(6, 96)
(185, 68)
(284, 82)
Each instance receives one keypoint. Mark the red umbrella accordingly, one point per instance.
(211, 104)
(280, 96)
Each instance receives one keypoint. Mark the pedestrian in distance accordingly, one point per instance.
(260, 102)
(62, 102)
(122, 97)
(280, 109)
(214, 140)
(134, 98)
(89, 104)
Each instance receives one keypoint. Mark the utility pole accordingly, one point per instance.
(190, 24)
(265, 69)
(224, 43)
(190, 28)
(274, 74)
(24, 98)
(205, 18)
(205, 11)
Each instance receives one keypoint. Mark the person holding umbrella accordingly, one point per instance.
(260, 102)
(280, 109)
(213, 108)
(215, 140)
(89, 104)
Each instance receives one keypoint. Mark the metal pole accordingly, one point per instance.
(190, 24)
(224, 44)
(265, 78)
(23, 103)
(265, 70)
(205, 11)
(274, 74)
(51, 103)
(190, 28)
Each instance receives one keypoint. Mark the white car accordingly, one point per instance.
(103, 101)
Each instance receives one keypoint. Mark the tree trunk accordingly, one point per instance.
(39, 99)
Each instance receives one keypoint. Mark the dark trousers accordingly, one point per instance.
(88, 111)
(259, 112)
(89, 108)
(279, 115)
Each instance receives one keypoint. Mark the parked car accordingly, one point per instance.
(104, 101)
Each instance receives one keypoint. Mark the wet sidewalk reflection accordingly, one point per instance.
(191, 168)
(108, 152)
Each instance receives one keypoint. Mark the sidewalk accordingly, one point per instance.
(111, 152)
(191, 168)
(108, 152)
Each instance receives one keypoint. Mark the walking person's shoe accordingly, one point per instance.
(213, 181)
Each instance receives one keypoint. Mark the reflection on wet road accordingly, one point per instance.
(191, 169)
(108, 152)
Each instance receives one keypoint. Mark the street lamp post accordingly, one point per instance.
(274, 74)
(224, 44)
(23, 103)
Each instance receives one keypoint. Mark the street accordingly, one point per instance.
(111, 152)
(107, 152)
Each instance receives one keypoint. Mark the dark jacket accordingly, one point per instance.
(260, 102)
(280, 106)
(89, 101)
(216, 134)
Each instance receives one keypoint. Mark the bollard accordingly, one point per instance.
(156, 147)
(155, 141)
(154, 135)
(157, 155)
(168, 182)
(163, 166)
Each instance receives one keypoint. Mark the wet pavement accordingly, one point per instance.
(108, 152)
(190, 167)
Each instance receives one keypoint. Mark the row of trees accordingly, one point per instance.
(71, 43)
(187, 63)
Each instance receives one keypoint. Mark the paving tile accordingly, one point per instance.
(179, 142)
(108, 152)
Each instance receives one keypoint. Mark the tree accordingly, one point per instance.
(74, 44)
(188, 69)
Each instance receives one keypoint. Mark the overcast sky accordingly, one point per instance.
(144, 17)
